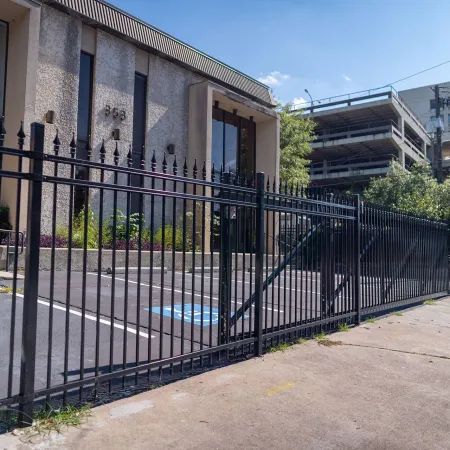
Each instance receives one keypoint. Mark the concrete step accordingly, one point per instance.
(9, 276)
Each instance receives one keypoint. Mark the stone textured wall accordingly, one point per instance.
(167, 119)
(115, 62)
(57, 90)
(114, 72)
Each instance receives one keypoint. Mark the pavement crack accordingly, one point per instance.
(397, 351)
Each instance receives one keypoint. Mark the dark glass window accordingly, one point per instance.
(83, 123)
(433, 104)
(233, 148)
(139, 130)
(233, 142)
(3, 56)
(84, 103)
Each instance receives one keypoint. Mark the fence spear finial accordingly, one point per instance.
(116, 154)
(73, 146)
(56, 143)
(102, 151)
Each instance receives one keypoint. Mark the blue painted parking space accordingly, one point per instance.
(191, 315)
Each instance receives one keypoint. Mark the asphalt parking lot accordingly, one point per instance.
(122, 321)
(96, 323)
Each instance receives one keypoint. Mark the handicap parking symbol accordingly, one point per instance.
(210, 315)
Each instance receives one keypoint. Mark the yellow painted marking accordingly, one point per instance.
(392, 334)
(279, 389)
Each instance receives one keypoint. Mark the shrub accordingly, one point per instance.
(121, 225)
(4, 221)
(78, 234)
(168, 236)
(46, 241)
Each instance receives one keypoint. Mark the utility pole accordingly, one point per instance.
(438, 153)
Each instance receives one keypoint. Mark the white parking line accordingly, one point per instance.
(277, 282)
(93, 318)
(174, 290)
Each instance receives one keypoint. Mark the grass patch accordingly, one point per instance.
(48, 420)
(329, 343)
(281, 347)
(285, 345)
(430, 302)
(396, 313)
(319, 336)
(343, 327)
(9, 290)
(370, 320)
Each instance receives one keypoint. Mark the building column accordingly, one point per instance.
(401, 126)
(401, 157)
(20, 98)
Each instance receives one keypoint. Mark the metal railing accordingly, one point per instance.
(8, 244)
(151, 274)
(358, 97)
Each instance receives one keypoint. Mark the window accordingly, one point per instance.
(84, 104)
(233, 142)
(233, 148)
(83, 124)
(139, 130)
(3, 57)
(433, 104)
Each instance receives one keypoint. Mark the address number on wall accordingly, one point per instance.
(115, 112)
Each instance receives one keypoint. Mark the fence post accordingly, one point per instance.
(30, 301)
(224, 266)
(357, 256)
(259, 263)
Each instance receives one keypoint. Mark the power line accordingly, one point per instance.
(418, 73)
(384, 86)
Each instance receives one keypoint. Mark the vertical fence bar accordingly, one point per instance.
(21, 142)
(99, 265)
(259, 263)
(31, 284)
(56, 145)
(225, 276)
(357, 256)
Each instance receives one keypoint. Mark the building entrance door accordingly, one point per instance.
(233, 150)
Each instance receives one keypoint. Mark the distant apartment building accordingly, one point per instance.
(422, 101)
(358, 136)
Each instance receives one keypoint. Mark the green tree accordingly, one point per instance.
(296, 134)
(413, 191)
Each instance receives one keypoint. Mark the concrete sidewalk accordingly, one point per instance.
(386, 386)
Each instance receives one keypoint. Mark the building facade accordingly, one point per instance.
(422, 101)
(358, 136)
(88, 68)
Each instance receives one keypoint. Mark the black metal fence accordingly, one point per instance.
(136, 275)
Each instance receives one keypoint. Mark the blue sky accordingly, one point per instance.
(330, 47)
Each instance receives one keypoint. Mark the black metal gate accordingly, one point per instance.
(110, 300)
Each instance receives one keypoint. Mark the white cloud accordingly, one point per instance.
(273, 78)
(298, 101)
(346, 78)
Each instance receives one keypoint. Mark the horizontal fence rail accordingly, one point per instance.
(135, 272)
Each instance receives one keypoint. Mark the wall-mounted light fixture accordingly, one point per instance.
(171, 149)
(216, 103)
(116, 134)
(50, 116)
(234, 112)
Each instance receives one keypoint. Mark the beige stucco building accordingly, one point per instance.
(88, 68)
